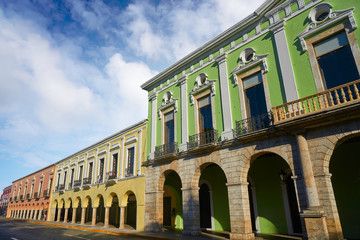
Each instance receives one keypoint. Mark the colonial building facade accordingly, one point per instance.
(257, 130)
(103, 184)
(4, 200)
(30, 195)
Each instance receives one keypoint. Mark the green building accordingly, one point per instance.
(256, 131)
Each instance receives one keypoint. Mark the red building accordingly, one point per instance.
(4, 200)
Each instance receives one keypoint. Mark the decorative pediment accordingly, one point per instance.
(322, 17)
(248, 60)
(167, 102)
(202, 83)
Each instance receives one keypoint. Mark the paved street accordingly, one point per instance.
(20, 230)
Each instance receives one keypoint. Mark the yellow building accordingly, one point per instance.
(103, 184)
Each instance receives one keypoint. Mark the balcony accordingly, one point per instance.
(203, 141)
(70, 186)
(77, 184)
(166, 151)
(15, 198)
(252, 124)
(46, 193)
(100, 179)
(129, 172)
(36, 195)
(87, 182)
(111, 177)
(330, 99)
(21, 197)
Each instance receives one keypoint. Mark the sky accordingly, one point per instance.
(70, 71)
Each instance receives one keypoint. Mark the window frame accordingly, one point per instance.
(163, 131)
(127, 159)
(312, 41)
(203, 94)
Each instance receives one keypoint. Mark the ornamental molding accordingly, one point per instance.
(167, 102)
(202, 83)
(332, 18)
(245, 66)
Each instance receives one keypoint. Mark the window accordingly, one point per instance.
(169, 127)
(254, 95)
(114, 164)
(71, 178)
(90, 170)
(205, 114)
(101, 170)
(40, 187)
(130, 162)
(58, 180)
(336, 61)
(65, 175)
(80, 172)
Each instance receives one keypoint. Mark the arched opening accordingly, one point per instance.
(345, 170)
(272, 196)
(114, 214)
(100, 211)
(213, 199)
(70, 212)
(172, 201)
(78, 212)
(62, 212)
(88, 212)
(56, 212)
(131, 210)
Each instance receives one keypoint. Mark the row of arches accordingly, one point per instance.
(273, 194)
(112, 212)
(29, 211)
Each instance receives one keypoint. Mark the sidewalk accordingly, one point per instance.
(129, 232)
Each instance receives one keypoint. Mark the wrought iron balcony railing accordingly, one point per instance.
(15, 198)
(46, 193)
(111, 175)
(325, 100)
(77, 183)
(100, 179)
(254, 123)
(87, 181)
(21, 197)
(28, 196)
(61, 186)
(128, 172)
(166, 149)
(36, 195)
(204, 138)
(70, 186)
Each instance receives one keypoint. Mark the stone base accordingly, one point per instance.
(315, 224)
(191, 232)
(227, 135)
(242, 236)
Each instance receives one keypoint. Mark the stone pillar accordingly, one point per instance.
(29, 214)
(153, 119)
(52, 214)
(107, 213)
(313, 215)
(73, 218)
(83, 212)
(59, 215)
(191, 211)
(93, 222)
(40, 214)
(225, 97)
(184, 114)
(154, 211)
(239, 208)
(66, 215)
(122, 217)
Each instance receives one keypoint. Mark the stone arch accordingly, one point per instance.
(68, 203)
(62, 202)
(86, 200)
(54, 204)
(125, 197)
(109, 199)
(163, 176)
(251, 156)
(97, 200)
(77, 201)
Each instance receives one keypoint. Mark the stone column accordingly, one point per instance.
(40, 214)
(154, 211)
(184, 112)
(29, 214)
(153, 119)
(106, 221)
(191, 211)
(59, 215)
(93, 222)
(122, 217)
(52, 214)
(287, 72)
(66, 214)
(225, 97)
(83, 212)
(239, 208)
(313, 215)
(73, 218)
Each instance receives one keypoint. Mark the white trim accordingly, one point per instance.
(139, 153)
(184, 114)
(126, 158)
(121, 165)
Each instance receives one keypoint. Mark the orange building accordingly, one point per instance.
(30, 195)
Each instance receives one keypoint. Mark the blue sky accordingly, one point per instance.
(70, 71)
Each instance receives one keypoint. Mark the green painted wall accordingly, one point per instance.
(345, 170)
(174, 183)
(265, 173)
(217, 179)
